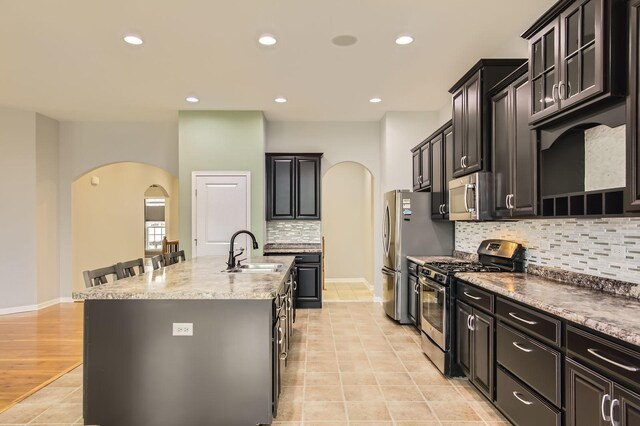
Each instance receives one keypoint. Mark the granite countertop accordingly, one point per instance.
(613, 315)
(421, 260)
(292, 248)
(200, 278)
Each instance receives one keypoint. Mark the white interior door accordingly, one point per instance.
(221, 208)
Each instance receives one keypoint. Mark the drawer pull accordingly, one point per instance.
(522, 348)
(610, 361)
(472, 296)
(283, 355)
(613, 406)
(521, 399)
(512, 315)
(280, 335)
(603, 413)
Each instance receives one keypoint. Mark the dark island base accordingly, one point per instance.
(137, 373)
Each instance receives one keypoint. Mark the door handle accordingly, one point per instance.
(554, 93)
(521, 399)
(613, 407)
(470, 322)
(561, 92)
(512, 315)
(522, 348)
(462, 162)
(472, 296)
(606, 397)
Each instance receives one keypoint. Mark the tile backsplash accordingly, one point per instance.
(294, 231)
(608, 248)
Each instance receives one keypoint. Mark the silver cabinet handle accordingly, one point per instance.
(613, 406)
(509, 201)
(472, 296)
(280, 335)
(554, 93)
(512, 315)
(606, 397)
(419, 179)
(471, 320)
(462, 161)
(283, 355)
(561, 92)
(521, 399)
(610, 361)
(295, 285)
(522, 348)
(283, 317)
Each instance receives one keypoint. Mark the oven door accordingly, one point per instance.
(433, 311)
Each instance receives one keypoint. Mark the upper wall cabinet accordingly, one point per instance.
(514, 147)
(576, 53)
(293, 186)
(421, 167)
(472, 115)
(633, 110)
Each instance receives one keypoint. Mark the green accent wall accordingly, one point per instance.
(221, 141)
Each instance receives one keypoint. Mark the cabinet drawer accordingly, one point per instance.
(521, 406)
(413, 268)
(308, 258)
(532, 362)
(618, 361)
(539, 325)
(475, 297)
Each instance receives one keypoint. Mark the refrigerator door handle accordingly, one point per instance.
(386, 229)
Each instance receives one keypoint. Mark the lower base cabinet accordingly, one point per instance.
(309, 285)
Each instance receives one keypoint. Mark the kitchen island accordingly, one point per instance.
(187, 344)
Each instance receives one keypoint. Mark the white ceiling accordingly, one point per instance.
(66, 58)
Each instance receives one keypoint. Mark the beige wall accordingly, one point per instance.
(108, 219)
(347, 221)
(48, 259)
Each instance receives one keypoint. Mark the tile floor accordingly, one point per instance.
(349, 365)
(343, 292)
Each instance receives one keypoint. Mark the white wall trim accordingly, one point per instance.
(194, 212)
(29, 308)
(350, 280)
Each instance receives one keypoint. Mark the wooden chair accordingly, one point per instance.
(158, 262)
(99, 276)
(169, 246)
(127, 269)
(173, 258)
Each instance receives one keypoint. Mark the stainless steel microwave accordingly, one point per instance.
(471, 197)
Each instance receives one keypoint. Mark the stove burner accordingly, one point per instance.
(453, 267)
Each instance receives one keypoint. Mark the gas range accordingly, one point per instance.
(443, 271)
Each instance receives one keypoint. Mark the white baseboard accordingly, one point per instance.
(350, 280)
(377, 299)
(29, 308)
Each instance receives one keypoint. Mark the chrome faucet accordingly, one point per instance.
(231, 263)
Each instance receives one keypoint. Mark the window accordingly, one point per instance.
(154, 223)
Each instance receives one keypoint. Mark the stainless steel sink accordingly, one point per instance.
(257, 268)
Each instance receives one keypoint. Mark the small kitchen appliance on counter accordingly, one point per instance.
(436, 300)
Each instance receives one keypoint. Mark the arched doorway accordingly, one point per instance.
(108, 214)
(156, 200)
(347, 228)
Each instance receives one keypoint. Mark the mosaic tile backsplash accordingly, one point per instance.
(608, 248)
(294, 231)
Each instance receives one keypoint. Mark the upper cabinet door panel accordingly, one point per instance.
(448, 167)
(473, 143)
(458, 132)
(281, 184)
(543, 72)
(416, 169)
(525, 154)
(581, 55)
(308, 188)
(425, 159)
(501, 138)
(437, 177)
(633, 110)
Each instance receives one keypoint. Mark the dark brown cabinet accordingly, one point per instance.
(293, 186)
(475, 346)
(309, 285)
(441, 144)
(471, 113)
(633, 110)
(421, 167)
(575, 55)
(414, 290)
(514, 147)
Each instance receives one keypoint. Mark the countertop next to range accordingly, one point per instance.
(612, 315)
(200, 278)
(293, 248)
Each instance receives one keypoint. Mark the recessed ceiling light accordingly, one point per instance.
(344, 40)
(404, 39)
(280, 100)
(267, 40)
(375, 100)
(133, 39)
(192, 99)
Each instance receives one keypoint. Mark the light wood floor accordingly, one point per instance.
(36, 348)
(347, 292)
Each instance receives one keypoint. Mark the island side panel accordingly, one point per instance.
(137, 373)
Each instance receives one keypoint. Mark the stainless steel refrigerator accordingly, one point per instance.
(407, 229)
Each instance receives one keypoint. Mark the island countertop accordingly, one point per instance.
(613, 315)
(200, 278)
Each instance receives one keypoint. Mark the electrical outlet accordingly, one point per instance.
(619, 251)
(183, 329)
